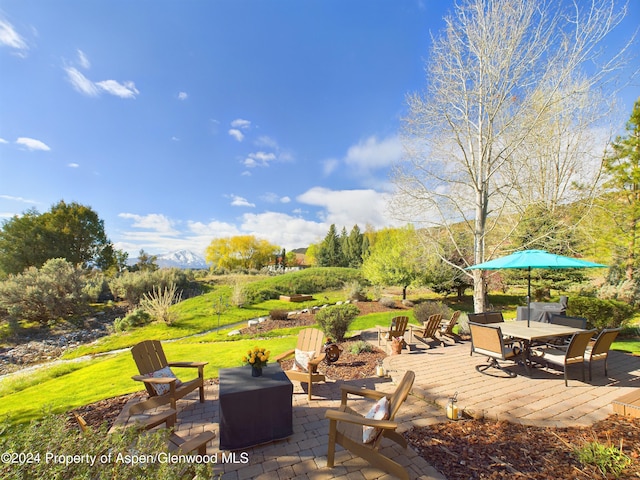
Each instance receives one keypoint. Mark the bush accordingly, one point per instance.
(360, 347)
(55, 435)
(600, 313)
(158, 303)
(355, 291)
(335, 320)
(132, 286)
(44, 295)
(423, 311)
(136, 318)
(279, 314)
(387, 302)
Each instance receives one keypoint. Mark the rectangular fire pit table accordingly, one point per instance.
(254, 410)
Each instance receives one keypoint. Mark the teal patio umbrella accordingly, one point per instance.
(528, 259)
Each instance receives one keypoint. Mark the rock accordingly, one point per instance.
(234, 332)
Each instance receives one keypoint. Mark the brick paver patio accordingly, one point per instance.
(538, 399)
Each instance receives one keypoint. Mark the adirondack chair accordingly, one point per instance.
(363, 436)
(307, 355)
(430, 331)
(162, 386)
(397, 329)
(175, 443)
(447, 329)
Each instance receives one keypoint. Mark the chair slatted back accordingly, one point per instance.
(487, 340)
(578, 346)
(398, 326)
(310, 339)
(575, 322)
(432, 325)
(603, 342)
(396, 400)
(452, 322)
(149, 356)
(486, 317)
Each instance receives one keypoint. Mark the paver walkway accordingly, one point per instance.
(540, 399)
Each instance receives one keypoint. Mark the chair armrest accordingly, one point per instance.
(160, 380)
(360, 420)
(188, 364)
(362, 392)
(194, 443)
(315, 361)
(284, 355)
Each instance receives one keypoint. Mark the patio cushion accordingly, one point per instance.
(380, 411)
(301, 360)
(165, 372)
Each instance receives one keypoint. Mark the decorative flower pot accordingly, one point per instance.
(256, 371)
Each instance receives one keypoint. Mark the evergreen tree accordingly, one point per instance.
(329, 253)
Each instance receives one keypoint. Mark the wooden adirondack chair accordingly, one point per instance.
(397, 329)
(150, 359)
(447, 328)
(346, 427)
(430, 330)
(310, 350)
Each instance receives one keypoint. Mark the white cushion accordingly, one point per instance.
(301, 360)
(380, 411)
(162, 388)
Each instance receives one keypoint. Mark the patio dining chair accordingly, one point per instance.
(487, 340)
(573, 354)
(361, 434)
(600, 349)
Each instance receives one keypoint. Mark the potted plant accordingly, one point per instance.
(257, 359)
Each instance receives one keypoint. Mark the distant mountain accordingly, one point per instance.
(181, 259)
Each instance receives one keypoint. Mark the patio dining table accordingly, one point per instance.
(529, 332)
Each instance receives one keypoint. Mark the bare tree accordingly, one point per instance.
(501, 78)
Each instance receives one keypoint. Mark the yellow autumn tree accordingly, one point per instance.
(241, 251)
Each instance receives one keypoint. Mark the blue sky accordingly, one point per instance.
(182, 121)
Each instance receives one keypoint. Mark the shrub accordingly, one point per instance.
(132, 286)
(335, 320)
(360, 347)
(600, 313)
(423, 311)
(387, 302)
(54, 434)
(608, 458)
(158, 303)
(355, 291)
(279, 314)
(44, 295)
(238, 294)
(136, 318)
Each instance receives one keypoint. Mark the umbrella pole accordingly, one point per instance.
(529, 298)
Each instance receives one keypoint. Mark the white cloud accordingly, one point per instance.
(17, 199)
(83, 60)
(238, 201)
(259, 159)
(285, 200)
(266, 142)
(282, 229)
(155, 222)
(329, 165)
(123, 90)
(237, 134)
(10, 38)
(73, 165)
(32, 144)
(2, 140)
(183, 96)
(373, 154)
(346, 208)
(241, 123)
(81, 83)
